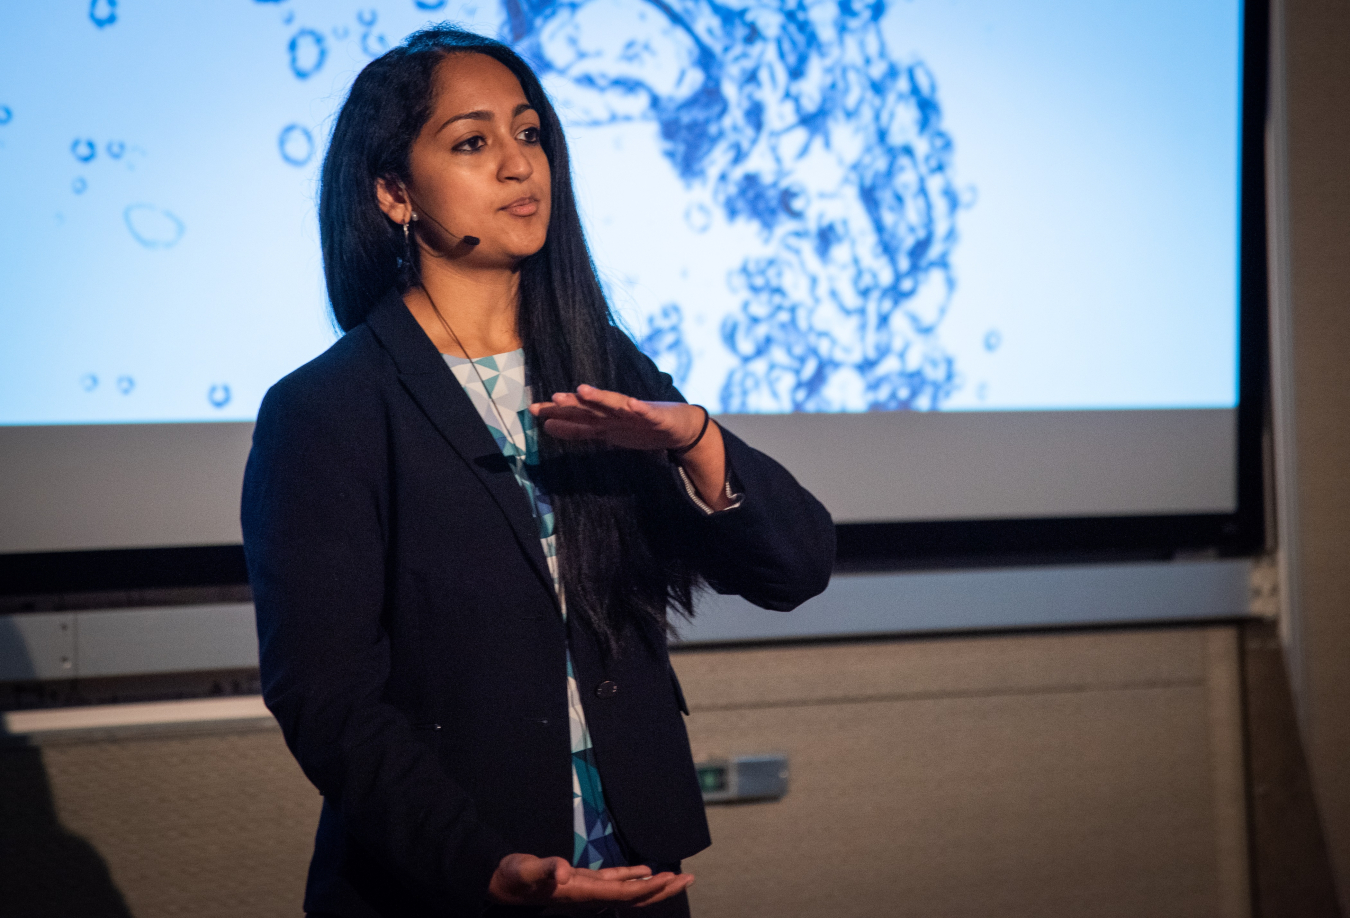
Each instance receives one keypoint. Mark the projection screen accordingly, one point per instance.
(948, 260)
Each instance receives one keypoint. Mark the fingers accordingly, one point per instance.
(681, 882)
(602, 399)
(586, 886)
(571, 430)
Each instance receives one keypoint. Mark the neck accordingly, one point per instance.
(478, 304)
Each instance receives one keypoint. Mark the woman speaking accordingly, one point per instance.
(467, 521)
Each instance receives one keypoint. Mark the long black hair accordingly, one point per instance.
(620, 546)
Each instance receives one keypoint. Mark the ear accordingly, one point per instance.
(393, 199)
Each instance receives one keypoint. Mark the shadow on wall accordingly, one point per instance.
(45, 870)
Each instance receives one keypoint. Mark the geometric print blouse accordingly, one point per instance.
(503, 384)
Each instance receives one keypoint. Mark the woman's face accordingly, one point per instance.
(477, 167)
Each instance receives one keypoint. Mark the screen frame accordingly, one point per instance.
(895, 545)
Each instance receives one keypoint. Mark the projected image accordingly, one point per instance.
(804, 127)
(794, 206)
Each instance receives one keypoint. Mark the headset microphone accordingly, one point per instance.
(467, 240)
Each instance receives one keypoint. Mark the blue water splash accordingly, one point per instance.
(795, 119)
(372, 43)
(308, 51)
(103, 13)
(153, 227)
(663, 341)
(218, 395)
(296, 144)
(83, 149)
(125, 384)
(115, 149)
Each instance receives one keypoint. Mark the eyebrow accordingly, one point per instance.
(481, 115)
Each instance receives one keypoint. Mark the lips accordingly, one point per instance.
(522, 207)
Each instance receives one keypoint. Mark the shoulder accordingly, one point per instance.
(341, 385)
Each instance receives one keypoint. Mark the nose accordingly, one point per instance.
(515, 166)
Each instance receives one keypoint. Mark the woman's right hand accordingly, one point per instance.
(523, 879)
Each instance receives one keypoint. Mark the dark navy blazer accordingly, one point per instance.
(411, 643)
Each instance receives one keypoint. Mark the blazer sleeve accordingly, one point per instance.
(314, 512)
(776, 547)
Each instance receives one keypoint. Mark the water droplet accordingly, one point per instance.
(308, 52)
(374, 45)
(288, 18)
(340, 32)
(296, 143)
(115, 148)
(6, 114)
(218, 395)
(103, 12)
(83, 149)
(699, 217)
(429, 4)
(153, 227)
(88, 382)
(125, 384)
(79, 185)
(992, 340)
(366, 17)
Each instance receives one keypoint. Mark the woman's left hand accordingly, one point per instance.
(623, 421)
(618, 419)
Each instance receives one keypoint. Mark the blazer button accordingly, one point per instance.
(607, 689)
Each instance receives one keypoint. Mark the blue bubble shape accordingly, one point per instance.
(79, 185)
(103, 13)
(89, 382)
(125, 384)
(83, 149)
(218, 395)
(153, 227)
(992, 339)
(115, 148)
(6, 114)
(308, 52)
(374, 45)
(296, 144)
(340, 32)
(288, 18)
(429, 5)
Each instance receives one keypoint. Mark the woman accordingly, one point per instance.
(432, 645)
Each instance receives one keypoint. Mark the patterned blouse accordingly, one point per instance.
(503, 382)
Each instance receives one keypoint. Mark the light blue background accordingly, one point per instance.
(1096, 144)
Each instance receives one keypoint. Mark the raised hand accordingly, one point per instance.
(523, 879)
(627, 422)
(618, 419)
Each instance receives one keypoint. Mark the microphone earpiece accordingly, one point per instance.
(467, 240)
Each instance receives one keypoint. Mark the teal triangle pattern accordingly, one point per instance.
(498, 388)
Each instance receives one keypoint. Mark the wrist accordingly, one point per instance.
(675, 454)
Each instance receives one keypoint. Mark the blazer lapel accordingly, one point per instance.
(427, 378)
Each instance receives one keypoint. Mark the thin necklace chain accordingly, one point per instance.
(506, 428)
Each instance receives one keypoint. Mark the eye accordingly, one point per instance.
(471, 144)
(529, 135)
